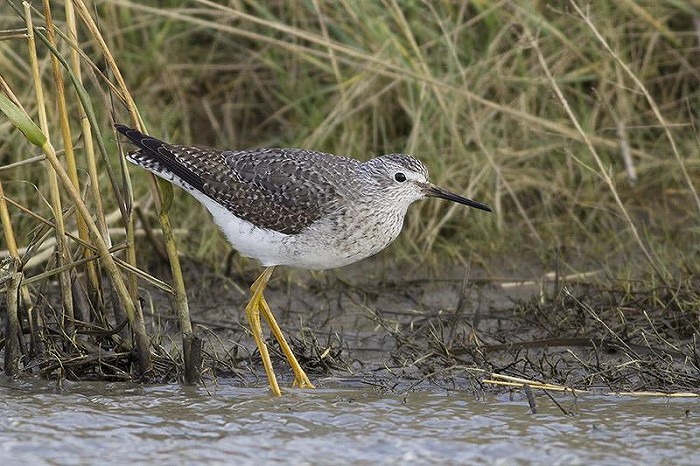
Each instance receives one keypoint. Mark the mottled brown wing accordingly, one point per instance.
(285, 190)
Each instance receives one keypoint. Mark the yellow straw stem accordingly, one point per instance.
(63, 254)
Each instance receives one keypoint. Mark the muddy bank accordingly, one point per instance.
(403, 327)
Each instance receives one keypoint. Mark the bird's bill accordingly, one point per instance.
(435, 191)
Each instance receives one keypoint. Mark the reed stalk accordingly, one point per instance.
(63, 255)
(13, 332)
(71, 165)
(93, 273)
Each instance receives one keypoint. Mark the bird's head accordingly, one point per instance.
(403, 179)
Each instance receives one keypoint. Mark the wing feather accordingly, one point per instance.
(285, 190)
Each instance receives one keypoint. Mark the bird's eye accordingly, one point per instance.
(400, 177)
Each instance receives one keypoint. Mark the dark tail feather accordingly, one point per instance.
(158, 157)
(140, 140)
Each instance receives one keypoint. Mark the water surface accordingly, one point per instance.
(87, 423)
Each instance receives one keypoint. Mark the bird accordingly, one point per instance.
(293, 207)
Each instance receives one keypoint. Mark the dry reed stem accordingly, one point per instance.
(29, 161)
(69, 152)
(85, 126)
(521, 383)
(94, 279)
(510, 380)
(552, 276)
(62, 252)
(536, 385)
(7, 227)
(13, 331)
(658, 394)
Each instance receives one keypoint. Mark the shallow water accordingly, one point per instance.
(87, 423)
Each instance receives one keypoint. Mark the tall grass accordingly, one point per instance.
(576, 122)
(460, 86)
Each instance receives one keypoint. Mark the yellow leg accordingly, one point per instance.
(252, 311)
(300, 378)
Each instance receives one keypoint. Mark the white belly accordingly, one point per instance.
(325, 245)
(267, 246)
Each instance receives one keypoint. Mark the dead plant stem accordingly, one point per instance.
(62, 252)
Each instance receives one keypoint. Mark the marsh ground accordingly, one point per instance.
(402, 327)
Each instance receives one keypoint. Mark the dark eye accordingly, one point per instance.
(400, 177)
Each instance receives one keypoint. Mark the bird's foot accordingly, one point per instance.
(302, 381)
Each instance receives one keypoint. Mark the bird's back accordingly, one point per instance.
(284, 190)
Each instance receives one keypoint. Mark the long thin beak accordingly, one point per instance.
(435, 191)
